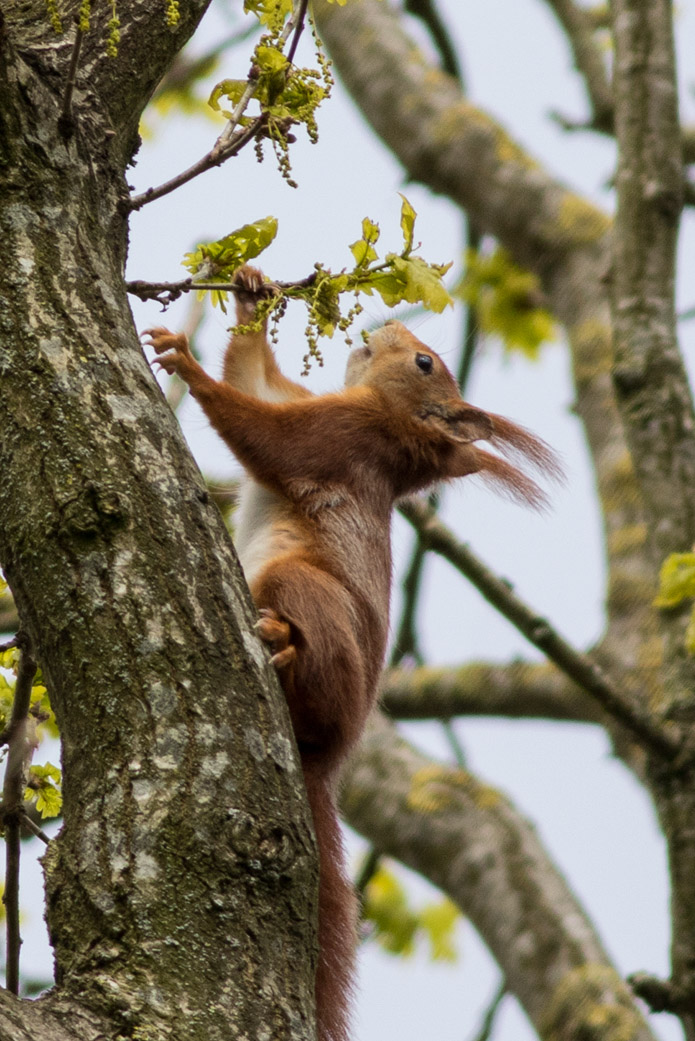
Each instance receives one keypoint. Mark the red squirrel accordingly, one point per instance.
(313, 537)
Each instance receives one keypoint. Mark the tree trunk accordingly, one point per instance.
(181, 890)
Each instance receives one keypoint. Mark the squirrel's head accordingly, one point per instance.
(416, 385)
(415, 381)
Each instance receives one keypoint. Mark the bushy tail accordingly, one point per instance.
(337, 913)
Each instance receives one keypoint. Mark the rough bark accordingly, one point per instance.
(655, 400)
(181, 890)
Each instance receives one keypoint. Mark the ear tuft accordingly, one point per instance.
(523, 446)
(509, 481)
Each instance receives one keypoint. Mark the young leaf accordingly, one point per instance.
(363, 253)
(505, 298)
(217, 261)
(363, 250)
(232, 89)
(408, 216)
(422, 281)
(44, 786)
(269, 12)
(386, 906)
(439, 922)
(676, 580)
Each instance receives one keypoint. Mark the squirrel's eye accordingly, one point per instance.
(424, 362)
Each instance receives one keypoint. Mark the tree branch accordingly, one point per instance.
(50, 1018)
(166, 292)
(579, 667)
(653, 393)
(588, 60)
(516, 691)
(21, 740)
(223, 149)
(469, 840)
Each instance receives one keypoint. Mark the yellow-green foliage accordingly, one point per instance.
(113, 37)
(397, 927)
(173, 14)
(505, 298)
(217, 261)
(44, 781)
(9, 662)
(676, 584)
(54, 16)
(286, 93)
(44, 787)
(271, 13)
(398, 277)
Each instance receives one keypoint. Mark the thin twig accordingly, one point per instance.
(166, 292)
(10, 898)
(217, 155)
(454, 743)
(301, 15)
(231, 140)
(367, 871)
(66, 122)
(428, 13)
(406, 644)
(579, 667)
(588, 59)
(488, 1023)
(27, 822)
(471, 325)
(19, 755)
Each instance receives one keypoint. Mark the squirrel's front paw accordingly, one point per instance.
(252, 288)
(172, 350)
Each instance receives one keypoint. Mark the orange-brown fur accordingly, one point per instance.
(315, 543)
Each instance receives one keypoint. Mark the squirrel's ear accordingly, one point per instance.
(458, 421)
